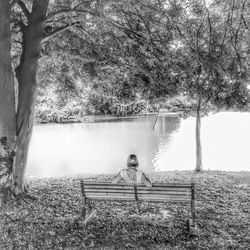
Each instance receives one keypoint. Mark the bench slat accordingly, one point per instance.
(110, 194)
(86, 187)
(164, 197)
(166, 192)
(111, 198)
(138, 188)
(140, 196)
(115, 192)
(105, 184)
(149, 190)
(184, 199)
(181, 189)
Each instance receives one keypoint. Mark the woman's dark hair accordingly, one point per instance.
(132, 161)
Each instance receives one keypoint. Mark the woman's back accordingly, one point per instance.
(131, 174)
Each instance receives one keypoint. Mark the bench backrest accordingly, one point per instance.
(122, 191)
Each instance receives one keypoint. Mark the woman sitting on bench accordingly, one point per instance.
(132, 174)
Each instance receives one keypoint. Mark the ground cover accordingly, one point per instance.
(222, 216)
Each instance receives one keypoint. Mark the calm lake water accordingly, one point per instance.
(98, 148)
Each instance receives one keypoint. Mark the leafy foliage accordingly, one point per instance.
(144, 51)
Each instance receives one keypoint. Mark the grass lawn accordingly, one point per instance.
(222, 207)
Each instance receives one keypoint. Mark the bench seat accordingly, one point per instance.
(164, 192)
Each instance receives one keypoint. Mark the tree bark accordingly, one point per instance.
(26, 72)
(7, 104)
(198, 136)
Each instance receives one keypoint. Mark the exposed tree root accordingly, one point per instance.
(25, 193)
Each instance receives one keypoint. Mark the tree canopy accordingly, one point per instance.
(151, 50)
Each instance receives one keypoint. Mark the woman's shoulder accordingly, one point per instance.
(123, 172)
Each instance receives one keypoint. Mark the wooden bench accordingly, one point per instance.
(178, 192)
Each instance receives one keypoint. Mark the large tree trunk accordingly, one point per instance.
(7, 104)
(198, 136)
(26, 76)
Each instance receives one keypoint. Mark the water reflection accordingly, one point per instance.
(225, 141)
(166, 129)
(98, 148)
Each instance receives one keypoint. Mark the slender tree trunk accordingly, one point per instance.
(198, 136)
(7, 104)
(26, 76)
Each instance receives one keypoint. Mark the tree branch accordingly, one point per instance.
(13, 2)
(210, 31)
(52, 15)
(58, 31)
(24, 8)
(21, 26)
(16, 41)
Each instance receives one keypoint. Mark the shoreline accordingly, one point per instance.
(153, 174)
(103, 118)
(90, 119)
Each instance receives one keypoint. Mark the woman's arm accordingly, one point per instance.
(117, 178)
(146, 180)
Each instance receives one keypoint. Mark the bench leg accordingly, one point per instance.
(90, 207)
(84, 206)
(193, 231)
(138, 206)
(90, 216)
(87, 210)
(192, 228)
